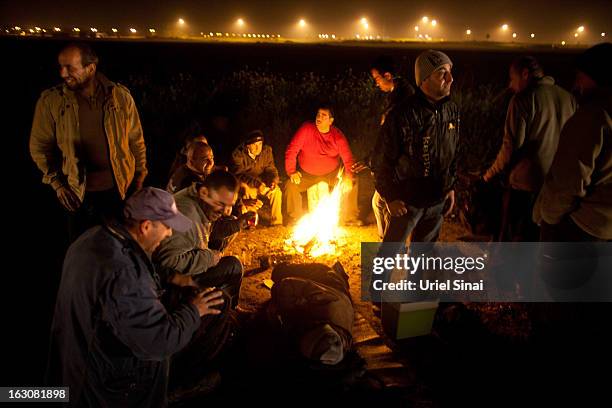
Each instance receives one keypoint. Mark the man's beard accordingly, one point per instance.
(79, 86)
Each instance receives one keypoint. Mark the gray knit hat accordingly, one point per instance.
(427, 63)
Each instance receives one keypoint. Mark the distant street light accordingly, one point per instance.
(114, 30)
(603, 34)
(504, 27)
(76, 29)
(581, 29)
(468, 31)
(133, 30)
(56, 29)
(181, 21)
(364, 21)
(94, 30)
(416, 28)
(302, 23)
(152, 30)
(434, 23)
(514, 35)
(425, 19)
(562, 42)
(240, 22)
(532, 35)
(575, 35)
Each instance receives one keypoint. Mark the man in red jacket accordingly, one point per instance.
(314, 155)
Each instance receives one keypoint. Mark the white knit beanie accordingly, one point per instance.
(427, 63)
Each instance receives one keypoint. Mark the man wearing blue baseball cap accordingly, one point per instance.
(111, 337)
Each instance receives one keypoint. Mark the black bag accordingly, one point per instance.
(215, 336)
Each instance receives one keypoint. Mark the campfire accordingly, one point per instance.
(318, 233)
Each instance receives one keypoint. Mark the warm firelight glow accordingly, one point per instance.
(317, 232)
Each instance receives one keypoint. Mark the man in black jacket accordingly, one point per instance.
(385, 74)
(415, 170)
(111, 337)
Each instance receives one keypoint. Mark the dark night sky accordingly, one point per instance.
(551, 20)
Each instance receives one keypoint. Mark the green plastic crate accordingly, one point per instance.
(405, 320)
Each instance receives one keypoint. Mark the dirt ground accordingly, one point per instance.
(252, 246)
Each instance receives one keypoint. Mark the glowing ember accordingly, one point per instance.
(317, 233)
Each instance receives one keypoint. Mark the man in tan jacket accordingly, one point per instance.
(575, 203)
(536, 114)
(87, 140)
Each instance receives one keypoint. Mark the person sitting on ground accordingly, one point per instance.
(190, 134)
(200, 163)
(253, 164)
(314, 155)
(186, 258)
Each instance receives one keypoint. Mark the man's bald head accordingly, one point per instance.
(200, 158)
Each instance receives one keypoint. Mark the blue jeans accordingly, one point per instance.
(417, 225)
(420, 224)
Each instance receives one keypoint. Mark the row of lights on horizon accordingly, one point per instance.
(426, 23)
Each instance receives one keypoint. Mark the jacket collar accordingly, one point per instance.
(536, 82)
(192, 193)
(433, 105)
(102, 81)
(116, 229)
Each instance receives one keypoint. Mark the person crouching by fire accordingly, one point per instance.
(314, 155)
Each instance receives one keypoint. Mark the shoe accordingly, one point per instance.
(376, 309)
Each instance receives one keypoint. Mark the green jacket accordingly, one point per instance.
(187, 252)
(531, 134)
(55, 138)
(579, 183)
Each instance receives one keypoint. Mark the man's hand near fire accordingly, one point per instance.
(347, 185)
(205, 301)
(359, 166)
(247, 219)
(296, 177)
(251, 204)
(397, 208)
(263, 189)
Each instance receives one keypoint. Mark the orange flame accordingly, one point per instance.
(317, 233)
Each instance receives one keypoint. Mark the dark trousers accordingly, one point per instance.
(97, 208)
(565, 231)
(226, 275)
(293, 196)
(558, 320)
(517, 224)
